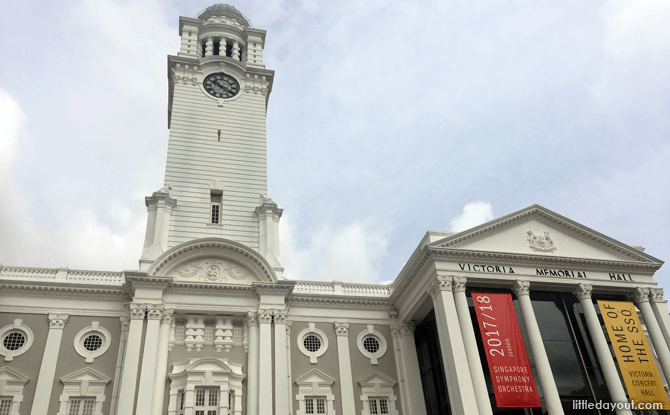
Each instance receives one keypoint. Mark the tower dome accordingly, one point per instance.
(221, 9)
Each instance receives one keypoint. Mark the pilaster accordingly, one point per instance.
(344, 365)
(268, 214)
(265, 361)
(167, 318)
(159, 210)
(131, 360)
(45, 379)
(253, 371)
(281, 363)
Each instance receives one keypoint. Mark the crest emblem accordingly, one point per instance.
(540, 243)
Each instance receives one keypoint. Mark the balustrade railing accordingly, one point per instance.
(64, 275)
(341, 288)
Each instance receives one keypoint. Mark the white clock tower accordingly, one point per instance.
(216, 171)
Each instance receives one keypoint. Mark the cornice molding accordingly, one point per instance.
(281, 287)
(69, 291)
(339, 302)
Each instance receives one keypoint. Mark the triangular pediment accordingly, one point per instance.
(541, 232)
(315, 376)
(377, 378)
(85, 375)
(9, 375)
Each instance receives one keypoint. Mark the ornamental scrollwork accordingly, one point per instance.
(583, 291)
(212, 270)
(521, 287)
(341, 328)
(540, 243)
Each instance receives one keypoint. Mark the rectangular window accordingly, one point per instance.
(378, 406)
(315, 405)
(215, 210)
(206, 401)
(5, 406)
(81, 406)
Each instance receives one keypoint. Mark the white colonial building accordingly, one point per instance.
(207, 325)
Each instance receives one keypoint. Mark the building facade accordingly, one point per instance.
(208, 325)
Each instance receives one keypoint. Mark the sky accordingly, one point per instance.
(386, 119)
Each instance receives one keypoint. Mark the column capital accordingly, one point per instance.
(396, 329)
(440, 283)
(137, 311)
(252, 318)
(641, 295)
(289, 325)
(521, 287)
(280, 315)
(657, 295)
(265, 315)
(57, 321)
(168, 316)
(459, 283)
(154, 311)
(583, 291)
(124, 321)
(341, 328)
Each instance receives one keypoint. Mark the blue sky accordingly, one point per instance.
(386, 119)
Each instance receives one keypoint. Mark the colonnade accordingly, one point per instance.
(462, 366)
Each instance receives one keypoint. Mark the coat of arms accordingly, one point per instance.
(540, 243)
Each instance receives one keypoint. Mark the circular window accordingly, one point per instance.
(92, 341)
(371, 344)
(312, 343)
(15, 339)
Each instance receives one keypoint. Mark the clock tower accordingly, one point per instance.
(216, 172)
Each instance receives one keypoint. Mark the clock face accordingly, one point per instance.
(221, 85)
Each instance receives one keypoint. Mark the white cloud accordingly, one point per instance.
(634, 27)
(12, 120)
(473, 214)
(350, 253)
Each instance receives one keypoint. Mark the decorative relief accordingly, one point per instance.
(137, 311)
(265, 315)
(583, 291)
(280, 315)
(124, 321)
(459, 283)
(256, 84)
(154, 312)
(396, 329)
(641, 295)
(521, 287)
(657, 294)
(168, 316)
(289, 324)
(252, 318)
(57, 321)
(341, 328)
(440, 283)
(212, 270)
(540, 243)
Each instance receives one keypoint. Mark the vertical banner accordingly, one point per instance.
(512, 377)
(633, 354)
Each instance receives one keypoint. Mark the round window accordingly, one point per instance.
(371, 344)
(92, 342)
(14, 341)
(312, 343)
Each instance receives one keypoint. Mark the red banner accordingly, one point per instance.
(512, 377)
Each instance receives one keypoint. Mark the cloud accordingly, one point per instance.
(473, 214)
(12, 120)
(350, 253)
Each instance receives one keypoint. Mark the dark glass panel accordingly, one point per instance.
(431, 367)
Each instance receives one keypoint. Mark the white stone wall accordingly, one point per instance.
(196, 158)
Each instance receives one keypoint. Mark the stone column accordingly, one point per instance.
(124, 321)
(131, 360)
(642, 300)
(400, 364)
(148, 373)
(551, 397)
(456, 370)
(617, 392)
(222, 47)
(265, 361)
(236, 50)
(45, 379)
(471, 349)
(661, 311)
(252, 371)
(162, 361)
(281, 363)
(209, 47)
(344, 364)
